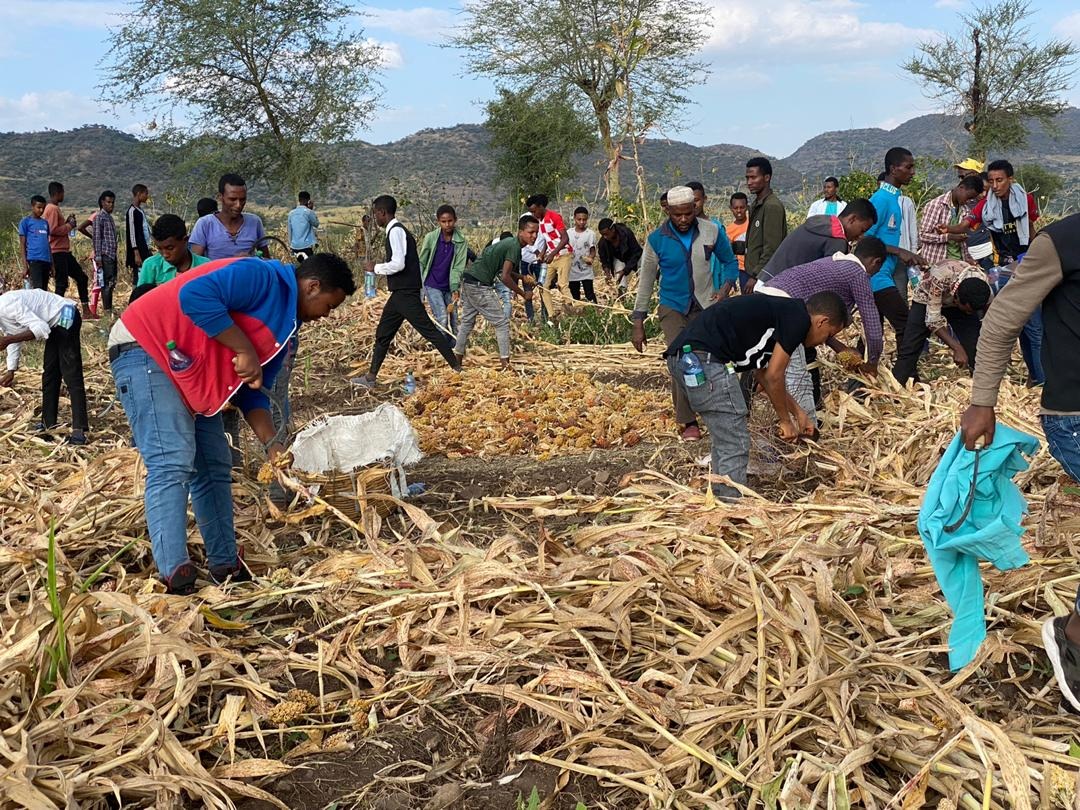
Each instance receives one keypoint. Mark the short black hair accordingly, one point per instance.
(1000, 166)
(663, 196)
(830, 305)
(55, 187)
(861, 208)
(974, 292)
(527, 219)
(37, 198)
(304, 197)
(973, 182)
(581, 209)
(230, 179)
(445, 209)
(140, 291)
(605, 223)
(384, 202)
(832, 180)
(870, 247)
(505, 235)
(105, 195)
(739, 195)
(696, 185)
(761, 163)
(168, 226)
(896, 156)
(206, 206)
(332, 272)
(139, 188)
(537, 199)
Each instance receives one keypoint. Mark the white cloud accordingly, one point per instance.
(391, 56)
(797, 29)
(423, 23)
(92, 14)
(1069, 26)
(950, 3)
(52, 109)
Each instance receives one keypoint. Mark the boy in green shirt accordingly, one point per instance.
(173, 256)
(501, 260)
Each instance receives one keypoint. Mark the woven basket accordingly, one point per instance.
(367, 488)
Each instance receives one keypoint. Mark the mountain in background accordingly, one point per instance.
(436, 165)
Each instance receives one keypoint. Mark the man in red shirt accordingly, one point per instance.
(557, 253)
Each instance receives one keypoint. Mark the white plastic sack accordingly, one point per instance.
(345, 444)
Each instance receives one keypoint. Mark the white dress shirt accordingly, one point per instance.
(398, 248)
(36, 310)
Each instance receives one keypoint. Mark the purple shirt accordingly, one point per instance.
(438, 276)
(847, 278)
(218, 243)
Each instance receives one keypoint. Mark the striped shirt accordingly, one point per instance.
(104, 235)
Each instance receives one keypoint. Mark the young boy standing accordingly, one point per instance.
(443, 254)
(137, 230)
(40, 315)
(103, 234)
(64, 265)
(34, 244)
(173, 256)
(404, 279)
(583, 245)
(739, 205)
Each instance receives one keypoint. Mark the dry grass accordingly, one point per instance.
(682, 652)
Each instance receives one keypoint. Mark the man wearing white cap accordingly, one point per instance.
(679, 255)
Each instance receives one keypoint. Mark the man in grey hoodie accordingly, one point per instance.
(820, 236)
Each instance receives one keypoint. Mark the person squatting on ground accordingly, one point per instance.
(1049, 277)
(758, 333)
(404, 280)
(478, 296)
(232, 320)
(40, 315)
(678, 254)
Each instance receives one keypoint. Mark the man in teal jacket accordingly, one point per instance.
(679, 254)
(442, 261)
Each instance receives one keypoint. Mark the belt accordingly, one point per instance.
(119, 349)
(475, 282)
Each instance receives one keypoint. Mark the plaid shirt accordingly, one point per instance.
(843, 274)
(933, 245)
(937, 289)
(104, 235)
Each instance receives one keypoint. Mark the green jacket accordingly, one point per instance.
(457, 266)
(767, 229)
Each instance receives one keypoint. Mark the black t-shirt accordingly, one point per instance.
(744, 330)
(1007, 241)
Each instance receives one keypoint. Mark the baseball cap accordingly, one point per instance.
(969, 164)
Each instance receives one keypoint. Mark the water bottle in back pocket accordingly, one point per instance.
(693, 373)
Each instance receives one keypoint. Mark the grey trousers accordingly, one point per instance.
(800, 384)
(720, 404)
(484, 301)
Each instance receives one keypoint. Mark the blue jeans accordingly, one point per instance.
(1063, 440)
(183, 454)
(438, 302)
(530, 269)
(1030, 338)
(507, 296)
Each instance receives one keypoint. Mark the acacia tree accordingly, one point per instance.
(535, 144)
(594, 54)
(269, 87)
(996, 75)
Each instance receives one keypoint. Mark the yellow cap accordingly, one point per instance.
(970, 164)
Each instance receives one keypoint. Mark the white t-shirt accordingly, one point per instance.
(582, 242)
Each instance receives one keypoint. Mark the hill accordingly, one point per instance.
(453, 163)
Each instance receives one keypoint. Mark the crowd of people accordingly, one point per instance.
(211, 328)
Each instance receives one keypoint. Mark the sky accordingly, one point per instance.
(782, 71)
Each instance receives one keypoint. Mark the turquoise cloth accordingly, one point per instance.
(990, 532)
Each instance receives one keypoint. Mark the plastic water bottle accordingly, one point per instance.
(369, 283)
(178, 361)
(693, 373)
(26, 284)
(914, 276)
(410, 384)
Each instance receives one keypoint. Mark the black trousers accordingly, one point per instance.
(893, 308)
(966, 328)
(108, 281)
(407, 305)
(39, 275)
(63, 360)
(586, 284)
(65, 267)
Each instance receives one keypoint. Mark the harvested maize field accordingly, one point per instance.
(564, 610)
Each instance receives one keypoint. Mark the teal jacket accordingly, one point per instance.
(991, 530)
(457, 266)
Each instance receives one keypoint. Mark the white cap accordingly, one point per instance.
(680, 195)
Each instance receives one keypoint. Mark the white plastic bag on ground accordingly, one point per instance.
(346, 443)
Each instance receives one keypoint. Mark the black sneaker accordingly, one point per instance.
(181, 581)
(1064, 657)
(76, 440)
(237, 572)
